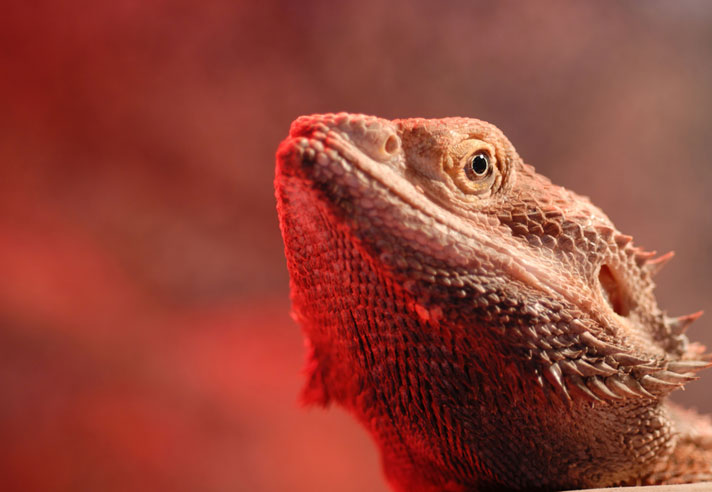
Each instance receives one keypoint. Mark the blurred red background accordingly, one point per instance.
(145, 340)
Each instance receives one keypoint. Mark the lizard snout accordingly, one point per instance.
(374, 136)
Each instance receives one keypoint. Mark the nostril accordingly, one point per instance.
(612, 291)
(391, 144)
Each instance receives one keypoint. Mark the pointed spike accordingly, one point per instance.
(674, 377)
(556, 355)
(606, 368)
(600, 346)
(597, 385)
(655, 265)
(636, 386)
(570, 368)
(555, 377)
(654, 384)
(577, 326)
(616, 385)
(587, 391)
(679, 325)
(570, 353)
(543, 330)
(544, 344)
(558, 342)
(587, 369)
(605, 231)
(642, 257)
(622, 240)
(553, 374)
(580, 385)
(626, 359)
(688, 365)
(643, 369)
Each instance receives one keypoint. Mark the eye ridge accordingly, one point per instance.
(478, 165)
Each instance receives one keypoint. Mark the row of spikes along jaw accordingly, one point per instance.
(568, 357)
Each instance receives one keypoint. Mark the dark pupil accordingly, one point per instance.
(480, 163)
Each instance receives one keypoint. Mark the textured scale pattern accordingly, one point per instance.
(491, 330)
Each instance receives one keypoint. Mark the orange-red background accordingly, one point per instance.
(145, 342)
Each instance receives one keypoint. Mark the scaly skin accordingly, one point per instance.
(490, 329)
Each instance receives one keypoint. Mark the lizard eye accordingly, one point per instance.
(477, 166)
(473, 166)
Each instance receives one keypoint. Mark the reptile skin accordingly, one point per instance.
(490, 329)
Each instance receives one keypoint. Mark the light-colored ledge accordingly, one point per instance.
(691, 487)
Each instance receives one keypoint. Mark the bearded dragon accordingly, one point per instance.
(490, 329)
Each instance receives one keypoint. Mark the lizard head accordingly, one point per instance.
(540, 293)
(450, 211)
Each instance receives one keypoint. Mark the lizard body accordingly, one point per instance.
(489, 328)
